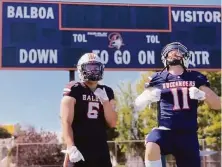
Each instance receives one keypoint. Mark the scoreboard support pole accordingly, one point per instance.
(71, 75)
(163, 159)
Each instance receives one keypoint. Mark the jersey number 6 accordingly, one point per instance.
(93, 109)
(176, 98)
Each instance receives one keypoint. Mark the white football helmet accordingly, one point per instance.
(181, 49)
(90, 67)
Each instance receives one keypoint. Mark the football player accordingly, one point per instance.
(177, 91)
(86, 109)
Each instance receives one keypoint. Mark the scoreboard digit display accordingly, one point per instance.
(115, 18)
(49, 36)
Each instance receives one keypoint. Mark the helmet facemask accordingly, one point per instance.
(174, 57)
(91, 71)
(175, 54)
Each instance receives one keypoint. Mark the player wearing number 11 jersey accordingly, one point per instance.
(86, 110)
(177, 91)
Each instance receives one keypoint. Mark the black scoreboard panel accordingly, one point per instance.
(115, 17)
(126, 37)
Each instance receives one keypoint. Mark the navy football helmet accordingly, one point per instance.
(182, 52)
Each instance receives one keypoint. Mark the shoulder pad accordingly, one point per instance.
(198, 75)
(73, 84)
(68, 88)
(107, 88)
(159, 72)
(189, 70)
(103, 86)
(149, 80)
(154, 75)
(195, 72)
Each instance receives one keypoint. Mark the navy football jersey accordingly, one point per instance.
(89, 124)
(176, 110)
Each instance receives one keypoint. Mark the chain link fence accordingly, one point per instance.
(123, 154)
(135, 150)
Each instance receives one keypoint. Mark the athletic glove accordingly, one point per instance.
(149, 95)
(101, 94)
(74, 154)
(196, 93)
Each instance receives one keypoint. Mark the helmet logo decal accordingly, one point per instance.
(91, 56)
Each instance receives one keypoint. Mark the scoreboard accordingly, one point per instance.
(49, 36)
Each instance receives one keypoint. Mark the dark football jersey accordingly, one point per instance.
(89, 124)
(176, 110)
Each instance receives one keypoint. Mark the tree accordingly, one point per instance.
(210, 120)
(133, 125)
(4, 133)
(40, 148)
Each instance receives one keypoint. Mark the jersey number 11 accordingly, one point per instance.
(176, 99)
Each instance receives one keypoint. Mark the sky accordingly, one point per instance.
(33, 97)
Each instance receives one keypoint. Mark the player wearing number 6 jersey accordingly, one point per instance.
(86, 110)
(177, 91)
